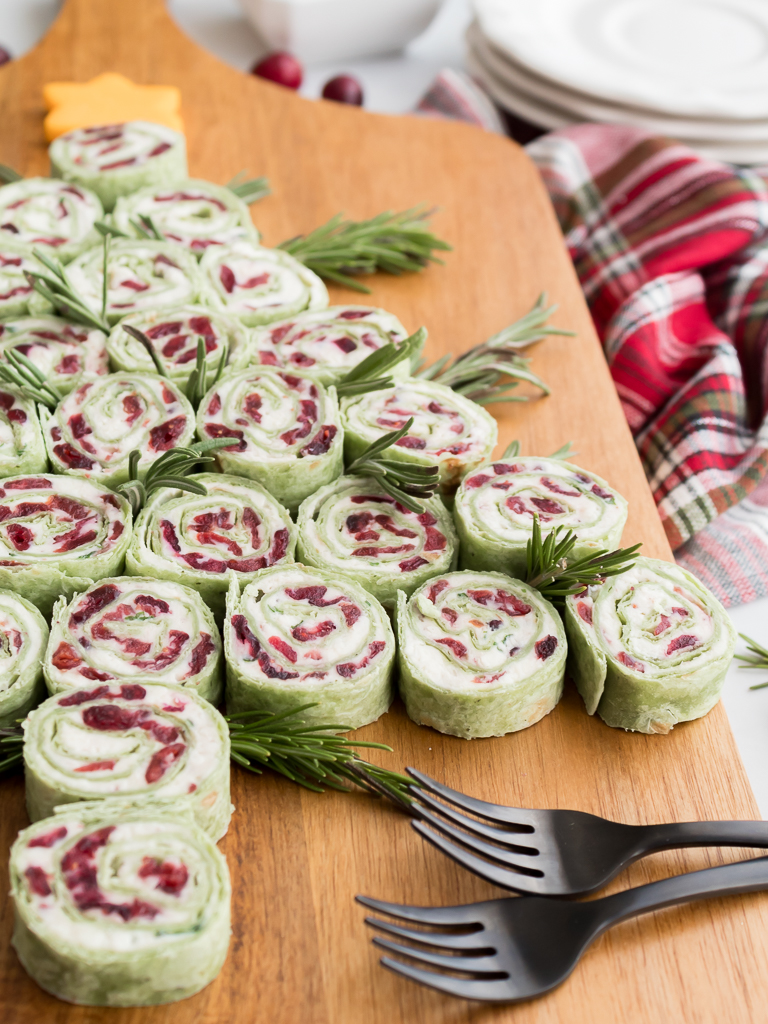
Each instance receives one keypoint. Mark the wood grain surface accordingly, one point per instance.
(300, 953)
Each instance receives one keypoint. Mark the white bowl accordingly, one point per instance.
(331, 30)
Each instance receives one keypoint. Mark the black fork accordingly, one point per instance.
(517, 948)
(553, 853)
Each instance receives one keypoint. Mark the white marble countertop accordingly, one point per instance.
(394, 84)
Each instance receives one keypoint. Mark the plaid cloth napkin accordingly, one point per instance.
(671, 250)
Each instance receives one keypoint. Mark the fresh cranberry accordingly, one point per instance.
(5, 56)
(344, 89)
(280, 67)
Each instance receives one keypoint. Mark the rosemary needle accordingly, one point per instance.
(404, 481)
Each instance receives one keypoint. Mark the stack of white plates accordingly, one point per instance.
(696, 70)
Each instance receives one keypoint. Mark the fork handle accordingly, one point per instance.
(703, 833)
(727, 879)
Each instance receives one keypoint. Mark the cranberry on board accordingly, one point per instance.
(5, 56)
(344, 89)
(280, 67)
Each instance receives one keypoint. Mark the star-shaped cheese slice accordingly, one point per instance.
(108, 99)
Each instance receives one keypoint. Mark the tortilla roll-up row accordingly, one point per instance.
(61, 350)
(114, 160)
(120, 904)
(285, 430)
(649, 648)
(324, 344)
(449, 431)
(23, 639)
(480, 654)
(22, 447)
(353, 527)
(51, 215)
(129, 740)
(194, 214)
(132, 627)
(202, 540)
(59, 534)
(496, 506)
(15, 290)
(300, 636)
(173, 334)
(94, 429)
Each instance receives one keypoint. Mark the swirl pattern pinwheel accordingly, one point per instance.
(325, 344)
(200, 540)
(480, 654)
(58, 535)
(296, 636)
(355, 528)
(174, 334)
(119, 905)
(649, 648)
(116, 159)
(260, 285)
(449, 431)
(132, 740)
(95, 428)
(23, 638)
(127, 628)
(495, 509)
(284, 428)
(61, 350)
(52, 215)
(21, 439)
(15, 290)
(194, 214)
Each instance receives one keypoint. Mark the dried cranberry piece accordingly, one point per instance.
(308, 634)
(411, 442)
(546, 647)
(219, 430)
(162, 761)
(314, 595)
(455, 646)
(49, 839)
(681, 642)
(72, 457)
(285, 649)
(200, 655)
(37, 878)
(165, 435)
(436, 589)
(244, 634)
(93, 603)
(111, 718)
(172, 877)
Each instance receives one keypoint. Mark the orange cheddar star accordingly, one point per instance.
(108, 99)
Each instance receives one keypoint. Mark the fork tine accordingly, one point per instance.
(472, 964)
(473, 825)
(497, 812)
(461, 941)
(425, 915)
(505, 877)
(488, 991)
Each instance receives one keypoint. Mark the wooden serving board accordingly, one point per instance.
(300, 953)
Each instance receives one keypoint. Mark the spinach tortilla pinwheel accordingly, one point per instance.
(22, 447)
(15, 289)
(115, 159)
(495, 509)
(59, 534)
(51, 215)
(323, 343)
(355, 528)
(284, 427)
(173, 334)
(23, 638)
(449, 431)
(480, 654)
(195, 214)
(141, 275)
(201, 540)
(299, 636)
(130, 740)
(259, 285)
(120, 904)
(61, 350)
(94, 429)
(129, 627)
(649, 648)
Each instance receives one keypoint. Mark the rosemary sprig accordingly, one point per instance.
(145, 340)
(550, 573)
(197, 385)
(11, 741)
(371, 373)
(565, 452)
(343, 249)
(170, 470)
(29, 378)
(757, 658)
(9, 175)
(56, 287)
(480, 372)
(250, 190)
(404, 481)
(147, 228)
(314, 756)
(511, 451)
(105, 228)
